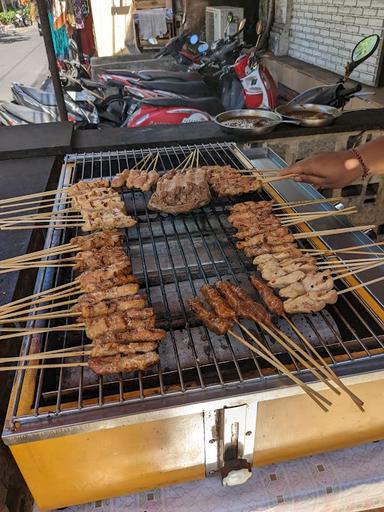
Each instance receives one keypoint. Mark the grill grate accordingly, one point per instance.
(173, 257)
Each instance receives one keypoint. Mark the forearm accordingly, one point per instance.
(373, 155)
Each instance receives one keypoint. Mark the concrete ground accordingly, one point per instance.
(22, 59)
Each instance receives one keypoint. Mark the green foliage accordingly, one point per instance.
(7, 18)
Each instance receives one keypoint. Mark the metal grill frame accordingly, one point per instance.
(81, 413)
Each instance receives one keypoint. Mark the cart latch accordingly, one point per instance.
(229, 442)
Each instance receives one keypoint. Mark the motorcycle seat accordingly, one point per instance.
(158, 74)
(92, 84)
(211, 105)
(190, 89)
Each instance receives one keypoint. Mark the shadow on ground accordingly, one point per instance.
(12, 37)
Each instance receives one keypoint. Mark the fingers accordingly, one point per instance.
(311, 179)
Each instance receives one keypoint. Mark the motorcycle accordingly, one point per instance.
(337, 95)
(12, 114)
(22, 19)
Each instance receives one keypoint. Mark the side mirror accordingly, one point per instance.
(230, 18)
(242, 25)
(361, 52)
(203, 48)
(194, 39)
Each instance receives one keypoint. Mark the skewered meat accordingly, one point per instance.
(210, 320)
(92, 260)
(318, 281)
(99, 326)
(97, 198)
(228, 291)
(105, 278)
(271, 271)
(89, 309)
(249, 219)
(265, 238)
(310, 302)
(283, 281)
(291, 249)
(181, 191)
(273, 303)
(292, 291)
(246, 206)
(112, 349)
(251, 309)
(111, 293)
(98, 240)
(106, 219)
(139, 335)
(226, 181)
(135, 179)
(118, 363)
(217, 303)
(261, 227)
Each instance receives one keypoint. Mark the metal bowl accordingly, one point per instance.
(330, 114)
(254, 115)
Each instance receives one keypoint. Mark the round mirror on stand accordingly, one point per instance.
(194, 39)
(365, 48)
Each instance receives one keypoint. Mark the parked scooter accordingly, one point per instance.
(12, 114)
(337, 95)
(22, 19)
(43, 101)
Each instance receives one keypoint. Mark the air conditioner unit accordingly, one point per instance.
(216, 22)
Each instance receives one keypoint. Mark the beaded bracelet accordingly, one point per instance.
(358, 156)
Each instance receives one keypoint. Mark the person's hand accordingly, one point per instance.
(326, 170)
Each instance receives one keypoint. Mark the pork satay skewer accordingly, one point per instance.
(271, 359)
(275, 304)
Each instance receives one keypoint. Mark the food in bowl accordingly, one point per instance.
(311, 115)
(246, 123)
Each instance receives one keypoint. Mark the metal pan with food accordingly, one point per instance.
(309, 114)
(250, 122)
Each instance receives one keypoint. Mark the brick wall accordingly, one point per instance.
(323, 32)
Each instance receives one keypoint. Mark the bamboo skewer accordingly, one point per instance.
(351, 209)
(274, 361)
(35, 216)
(40, 296)
(297, 352)
(45, 226)
(56, 315)
(327, 369)
(31, 196)
(364, 268)
(350, 249)
(350, 289)
(41, 366)
(329, 232)
(297, 204)
(279, 178)
(39, 308)
(45, 355)
(51, 204)
(142, 163)
(42, 253)
(320, 216)
(15, 332)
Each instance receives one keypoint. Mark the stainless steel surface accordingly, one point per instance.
(288, 112)
(172, 257)
(251, 114)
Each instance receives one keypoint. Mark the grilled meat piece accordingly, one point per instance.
(210, 320)
(283, 281)
(112, 349)
(318, 281)
(135, 179)
(105, 278)
(246, 220)
(112, 293)
(263, 258)
(292, 291)
(311, 302)
(92, 260)
(226, 181)
(89, 309)
(106, 219)
(99, 327)
(181, 191)
(217, 303)
(265, 238)
(139, 335)
(228, 291)
(251, 206)
(273, 303)
(271, 271)
(98, 240)
(84, 186)
(119, 363)
(268, 227)
(251, 309)
(290, 249)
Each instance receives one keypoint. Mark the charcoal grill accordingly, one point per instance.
(204, 384)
